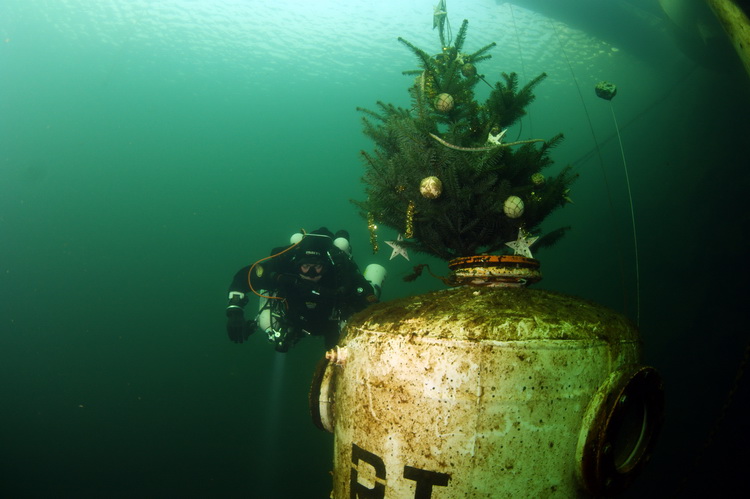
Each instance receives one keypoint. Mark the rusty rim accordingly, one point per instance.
(494, 270)
(492, 261)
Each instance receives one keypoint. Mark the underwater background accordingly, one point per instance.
(149, 149)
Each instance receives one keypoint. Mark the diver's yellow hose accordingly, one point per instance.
(737, 26)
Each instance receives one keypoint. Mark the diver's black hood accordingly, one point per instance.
(314, 247)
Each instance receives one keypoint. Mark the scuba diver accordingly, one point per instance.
(310, 287)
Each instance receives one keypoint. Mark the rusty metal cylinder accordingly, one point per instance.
(487, 392)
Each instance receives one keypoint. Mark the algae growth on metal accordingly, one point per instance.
(502, 314)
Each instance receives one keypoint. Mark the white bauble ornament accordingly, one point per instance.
(513, 207)
(444, 102)
(431, 187)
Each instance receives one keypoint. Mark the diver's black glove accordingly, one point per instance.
(237, 328)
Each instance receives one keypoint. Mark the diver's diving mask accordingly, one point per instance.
(311, 269)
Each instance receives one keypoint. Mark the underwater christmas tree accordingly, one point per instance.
(441, 172)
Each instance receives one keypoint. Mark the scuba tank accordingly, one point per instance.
(375, 275)
(342, 243)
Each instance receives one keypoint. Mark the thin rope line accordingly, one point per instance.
(632, 219)
(601, 161)
(523, 68)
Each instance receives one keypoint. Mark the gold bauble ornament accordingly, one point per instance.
(468, 70)
(513, 207)
(444, 102)
(431, 187)
(537, 179)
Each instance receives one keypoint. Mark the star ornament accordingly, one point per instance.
(438, 17)
(521, 245)
(398, 248)
(497, 138)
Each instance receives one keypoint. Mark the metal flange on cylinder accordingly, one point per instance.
(487, 392)
(619, 428)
